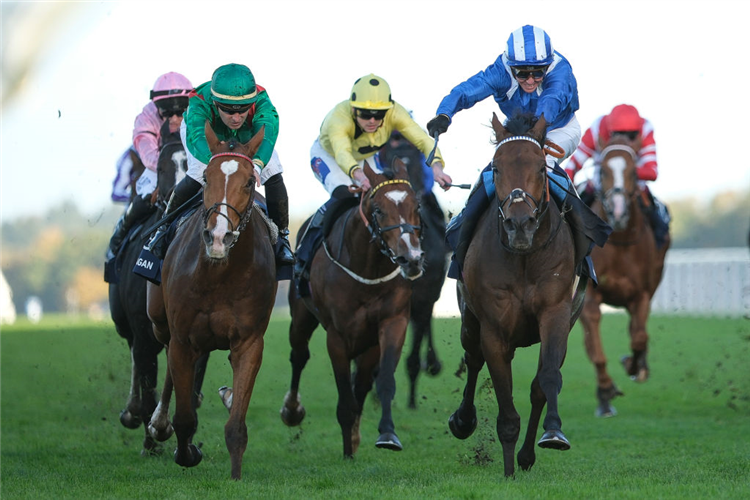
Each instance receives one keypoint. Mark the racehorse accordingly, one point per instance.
(425, 290)
(629, 266)
(218, 290)
(127, 300)
(360, 289)
(518, 290)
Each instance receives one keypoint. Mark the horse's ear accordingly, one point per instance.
(399, 168)
(254, 144)
(213, 141)
(539, 130)
(500, 132)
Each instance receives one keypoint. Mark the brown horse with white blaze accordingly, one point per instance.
(629, 266)
(360, 291)
(518, 288)
(213, 298)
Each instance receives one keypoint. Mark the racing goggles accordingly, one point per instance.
(524, 73)
(232, 109)
(367, 114)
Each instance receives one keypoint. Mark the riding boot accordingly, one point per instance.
(183, 192)
(138, 209)
(461, 228)
(659, 218)
(588, 228)
(278, 210)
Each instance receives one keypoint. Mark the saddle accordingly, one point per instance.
(319, 226)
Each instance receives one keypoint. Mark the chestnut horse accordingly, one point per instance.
(360, 290)
(425, 290)
(127, 300)
(517, 290)
(629, 266)
(213, 298)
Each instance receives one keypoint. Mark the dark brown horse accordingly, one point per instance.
(213, 298)
(127, 300)
(629, 266)
(360, 291)
(517, 290)
(425, 290)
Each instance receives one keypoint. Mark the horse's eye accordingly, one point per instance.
(250, 183)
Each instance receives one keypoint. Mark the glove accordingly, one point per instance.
(438, 125)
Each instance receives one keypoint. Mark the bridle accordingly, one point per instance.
(376, 231)
(216, 207)
(518, 195)
(605, 197)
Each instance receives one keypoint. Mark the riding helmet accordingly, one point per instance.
(529, 46)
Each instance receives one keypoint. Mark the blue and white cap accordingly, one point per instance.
(529, 46)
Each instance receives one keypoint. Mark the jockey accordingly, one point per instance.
(624, 119)
(352, 132)
(169, 100)
(528, 77)
(236, 108)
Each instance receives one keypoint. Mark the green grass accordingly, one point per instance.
(683, 434)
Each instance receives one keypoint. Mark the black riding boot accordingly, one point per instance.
(278, 210)
(183, 192)
(139, 208)
(461, 228)
(659, 218)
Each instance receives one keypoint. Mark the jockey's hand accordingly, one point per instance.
(438, 125)
(361, 179)
(257, 166)
(443, 179)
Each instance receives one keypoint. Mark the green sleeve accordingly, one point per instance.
(265, 114)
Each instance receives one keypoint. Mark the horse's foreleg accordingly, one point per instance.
(130, 417)
(392, 336)
(463, 421)
(145, 358)
(300, 331)
(160, 427)
(591, 321)
(413, 361)
(182, 361)
(366, 365)
(637, 367)
(553, 330)
(527, 455)
(346, 408)
(246, 361)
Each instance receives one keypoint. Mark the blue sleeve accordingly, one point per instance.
(492, 81)
(559, 99)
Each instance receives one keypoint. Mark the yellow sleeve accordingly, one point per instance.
(337, 135)
(414, 133)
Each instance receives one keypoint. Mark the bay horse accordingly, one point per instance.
(629, 266)
(518, 290)
(218, 290)
(127, 300)
(425, 290)
(360, 291)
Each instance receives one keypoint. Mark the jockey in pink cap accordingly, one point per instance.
(162, 114)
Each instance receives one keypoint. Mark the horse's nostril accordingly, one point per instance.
(206, 236)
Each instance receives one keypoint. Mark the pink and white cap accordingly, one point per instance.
(171, 85)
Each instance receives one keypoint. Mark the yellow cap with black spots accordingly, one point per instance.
(371, 92)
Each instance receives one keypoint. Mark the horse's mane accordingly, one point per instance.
(520, 124)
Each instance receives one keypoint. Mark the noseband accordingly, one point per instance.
(216, 207)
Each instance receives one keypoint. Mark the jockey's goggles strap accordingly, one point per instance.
(519, 138)
(238, 155)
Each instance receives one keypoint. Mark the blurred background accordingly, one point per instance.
(75, 75)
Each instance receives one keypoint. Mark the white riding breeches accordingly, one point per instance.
(146, 183)
(329, 173)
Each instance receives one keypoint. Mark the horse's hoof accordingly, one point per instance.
(389, 441)
(605, 411)
(292, 418)
(130, 420)
(194, 456)
(226, 396)
(555, 440)
(461, 429)
(161, 435)
(434, 368)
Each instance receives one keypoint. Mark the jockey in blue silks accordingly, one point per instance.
(529, 77)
